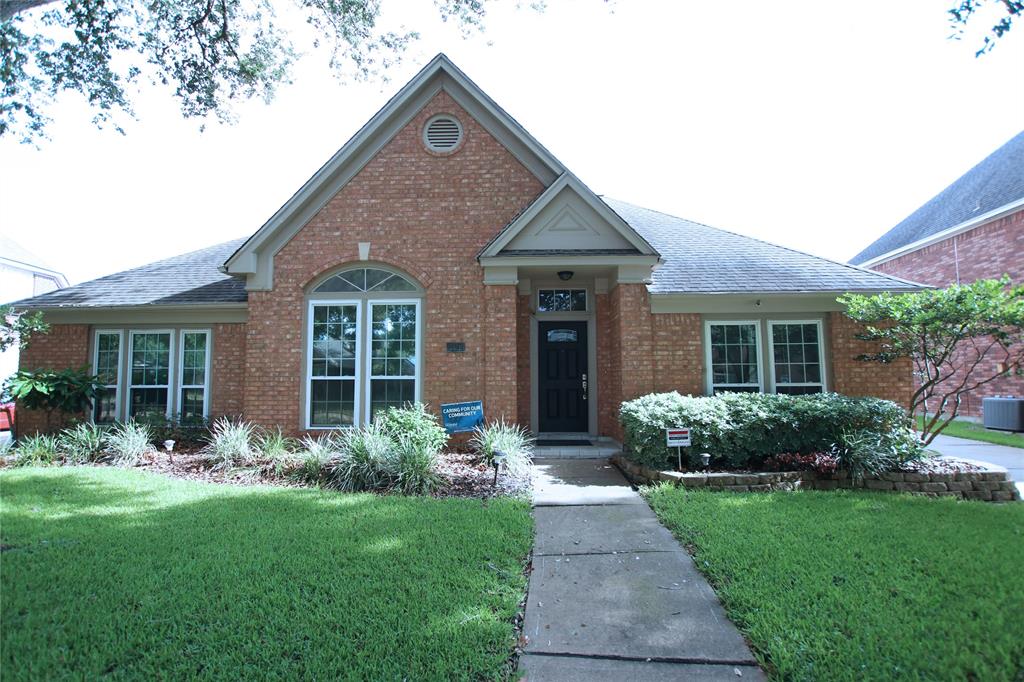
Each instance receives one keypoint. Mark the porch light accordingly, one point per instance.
(565, 275)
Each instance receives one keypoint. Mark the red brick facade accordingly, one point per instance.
(227, 369)
(990, 250)
(429, 216)
(851, 376)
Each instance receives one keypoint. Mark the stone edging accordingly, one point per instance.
(990, 485)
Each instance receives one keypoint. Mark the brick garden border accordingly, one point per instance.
(989, 485)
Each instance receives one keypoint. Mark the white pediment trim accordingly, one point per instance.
(254, 258)
(534, 222)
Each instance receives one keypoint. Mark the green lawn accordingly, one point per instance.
(861, 586)
(138, 576)
(962, 429)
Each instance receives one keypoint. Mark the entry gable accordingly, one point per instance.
(567, 217)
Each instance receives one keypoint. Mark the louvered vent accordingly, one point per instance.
(442, 134)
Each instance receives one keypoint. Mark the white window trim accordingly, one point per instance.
(206, 370)
(308, 419)
(170, 369)
(586, 300)
(366, 335)
(821, 355)
(120, 369)
(709, 373)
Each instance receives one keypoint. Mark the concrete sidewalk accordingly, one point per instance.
(1011, 459)
(612, 594)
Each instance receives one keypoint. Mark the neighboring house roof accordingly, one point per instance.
(706, 260)
(979, 195)
(191, 278)
(15, 255)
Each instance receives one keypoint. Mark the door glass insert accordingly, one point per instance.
(562, 336)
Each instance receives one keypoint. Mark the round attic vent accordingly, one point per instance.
(442, 133)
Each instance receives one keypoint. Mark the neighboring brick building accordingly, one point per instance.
(973, 229)
(443, 255)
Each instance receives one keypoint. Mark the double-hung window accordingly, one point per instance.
(733, 356)
(193, 403)
(106, 365)
(149, 388)
(363, 350)
(796, 356)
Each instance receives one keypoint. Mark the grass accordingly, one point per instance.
(131, 575)
(963, 429)
(861, 586)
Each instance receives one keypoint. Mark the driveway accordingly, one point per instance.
(1011, 459)
(613, 596)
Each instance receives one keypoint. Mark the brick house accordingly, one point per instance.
(973, 229)
(444, 255)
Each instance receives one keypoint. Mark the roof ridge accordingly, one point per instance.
(856, 268)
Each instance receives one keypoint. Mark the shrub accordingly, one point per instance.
(126, 443)
(417, 469)
(275, 450)
(37, 450)
(413, 424)
(81, 443)
(367, 460)
(867, 452)
(513, 440)
(743, 429)
(230, 444)
(70, 391)
(314, 456)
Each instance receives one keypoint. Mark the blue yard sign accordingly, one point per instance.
(461, 417)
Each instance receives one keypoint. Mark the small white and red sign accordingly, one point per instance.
(677, 437)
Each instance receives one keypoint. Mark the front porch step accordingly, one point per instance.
(599, 451)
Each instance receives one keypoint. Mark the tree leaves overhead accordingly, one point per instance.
(1006, 11)
(210, 53)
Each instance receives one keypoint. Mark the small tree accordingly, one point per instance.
(959, 339)
(69, 391)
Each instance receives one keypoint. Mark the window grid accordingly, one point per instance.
(333, 372)
(195, 348)
(393, 339)
(107, 365)
(149, 388)
(796, 356)
(561, 300)
(733, 356)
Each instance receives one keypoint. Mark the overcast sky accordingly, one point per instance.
(817, 125)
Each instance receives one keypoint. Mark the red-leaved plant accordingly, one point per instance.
(821, 462)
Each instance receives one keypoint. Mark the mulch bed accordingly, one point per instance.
(464, 475)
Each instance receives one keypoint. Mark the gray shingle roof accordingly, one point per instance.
(191, 278)
(992, 184)
(701, 259)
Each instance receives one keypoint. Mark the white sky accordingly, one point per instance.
(816, 125)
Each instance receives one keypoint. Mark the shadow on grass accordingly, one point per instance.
(131, 574)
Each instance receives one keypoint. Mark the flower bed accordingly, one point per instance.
(945, 478)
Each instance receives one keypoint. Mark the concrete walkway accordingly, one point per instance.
(1011, 459)
(613, 596)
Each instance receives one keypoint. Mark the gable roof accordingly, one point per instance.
(706, 260)
(19, 257)
(979, 195)
(566, 182)
(192, 278)
(255, 256)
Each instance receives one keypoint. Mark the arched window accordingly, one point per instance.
(363, 346)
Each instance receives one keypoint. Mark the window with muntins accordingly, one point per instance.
(150, 374)
(364, 347)
(734, 356)
(195, 353)
(561, 300)
(107, 366)
(796, 357)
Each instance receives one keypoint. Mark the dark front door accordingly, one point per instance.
(563, 382)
